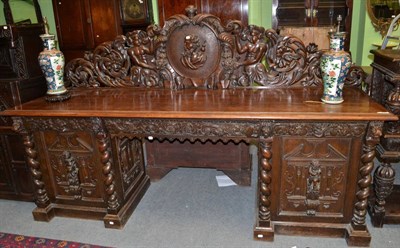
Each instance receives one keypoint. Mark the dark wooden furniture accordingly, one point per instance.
(225, 9)
(315, 159)
(312, 18)
(84, 24)
(86, 156)
(21, 80)
(385, 89)
(135, 14)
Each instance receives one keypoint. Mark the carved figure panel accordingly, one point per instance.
(74, 169)
(130, 162)
(313, 181)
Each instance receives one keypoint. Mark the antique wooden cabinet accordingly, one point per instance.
(21, 80)
(84, 24)
(311, 20)
(385, 89)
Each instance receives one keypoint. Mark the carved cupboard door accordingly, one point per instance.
(224, 9)
(84, 24)
(74, 170)
(312, 176)
(311, 20)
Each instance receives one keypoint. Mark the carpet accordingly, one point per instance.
(9, 240)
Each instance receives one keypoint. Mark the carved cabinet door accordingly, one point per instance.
(84, 24)
(315, 178)
(311, 20)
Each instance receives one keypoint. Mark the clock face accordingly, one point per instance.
(134, 9)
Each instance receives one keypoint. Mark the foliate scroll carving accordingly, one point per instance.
(322, 129)
(59, 124)
(198, 51)
(18, 54)
(42, 199)
(19, 57)
(104, 141)
(291, 62)
(182, 129)
(374, 132)
(356, 77)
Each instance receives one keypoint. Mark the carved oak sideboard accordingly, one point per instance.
(314, 167)
(213, 56)
(195, 80)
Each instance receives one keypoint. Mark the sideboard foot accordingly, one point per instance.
(264, 233)
(118, 221)
(43, 214)
(357, 237)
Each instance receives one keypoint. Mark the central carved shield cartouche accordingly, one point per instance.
(194, 51)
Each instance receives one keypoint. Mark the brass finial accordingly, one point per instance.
(191, 11)
(339, 19)
(46, 25)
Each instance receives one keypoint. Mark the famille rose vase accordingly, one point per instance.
(335, 65)
(52, 62)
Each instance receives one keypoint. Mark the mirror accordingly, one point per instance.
(20, 12)
(382, 13)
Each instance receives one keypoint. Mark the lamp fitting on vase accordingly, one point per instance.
(335, 65)
(52, 63)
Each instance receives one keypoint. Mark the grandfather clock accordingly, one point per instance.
(21, 80)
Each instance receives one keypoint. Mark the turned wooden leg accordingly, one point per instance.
(111, 220)
(43, 212)
(263, 229)
(383, 186)
(357, 234)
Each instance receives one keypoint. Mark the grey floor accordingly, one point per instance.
(185, 209)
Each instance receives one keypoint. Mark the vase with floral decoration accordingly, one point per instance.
(52, 63)
(335, 65)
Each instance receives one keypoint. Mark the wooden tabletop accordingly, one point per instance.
(245, 104)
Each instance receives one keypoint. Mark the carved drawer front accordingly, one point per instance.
(74, 172)
(313, 177)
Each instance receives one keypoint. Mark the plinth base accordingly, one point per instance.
(58, 98)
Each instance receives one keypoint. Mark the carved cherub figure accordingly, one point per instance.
(255, 48)
(143, 70)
